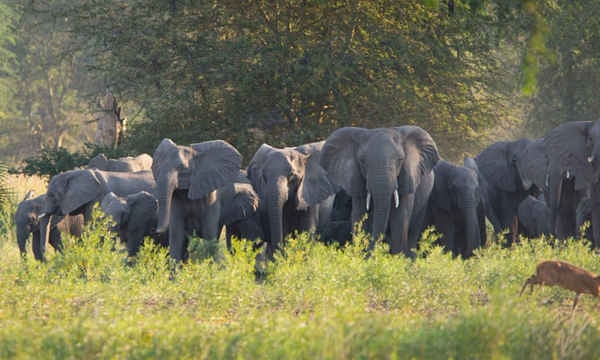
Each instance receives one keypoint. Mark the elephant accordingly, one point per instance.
(239, 205)
(125, 164)
(534, 217)
(135, 217)
(336, 231)
(387, 172)
(583, 214)
(573, 151)
(291, 185)
(456, 208)
(512, 170)
(192, 183)
(27, 222)
(75, 191)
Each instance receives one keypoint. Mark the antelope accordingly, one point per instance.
(565, 275)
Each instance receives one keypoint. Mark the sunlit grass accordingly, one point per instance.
(313, 301)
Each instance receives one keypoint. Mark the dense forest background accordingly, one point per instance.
(290, 71)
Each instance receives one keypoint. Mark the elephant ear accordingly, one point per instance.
(97, 161)
(238, 201)
(497, 165)
(532, 164)
(566, 148)
(115, 207)
(216, 164)
(255, 167)
(315, 185)
(340, 161)
(421, 155)
(79, 187)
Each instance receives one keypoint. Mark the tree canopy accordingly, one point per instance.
(290, 71)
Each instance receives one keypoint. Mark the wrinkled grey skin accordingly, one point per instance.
(534, 217)
(573, 151)
(192, 186)
(456, 208)
(125, 164)
(511, 170)
(135, 217)
(27, 223)
(393, 167)
(74, 192)
(292, 186)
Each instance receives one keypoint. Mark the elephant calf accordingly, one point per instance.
(534, 217)
(27, 222)
(456, 208)
(136, 216)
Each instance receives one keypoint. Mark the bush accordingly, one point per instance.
(54, 161)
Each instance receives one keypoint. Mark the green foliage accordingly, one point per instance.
(314, 302)
(50, 161)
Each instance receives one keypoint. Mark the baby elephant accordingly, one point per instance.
(565, 275)
(27, 220)
(136, 217)
(534, 217)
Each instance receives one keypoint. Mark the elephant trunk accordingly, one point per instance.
(383, 193)
(276, 198)
(22, 236)
(39, 245)
(166, 185)
(472, 234)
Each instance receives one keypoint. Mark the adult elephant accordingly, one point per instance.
(387, 171)
(456, 208)
(512, 171)
(27, 220)
(74, 192)
(573, 151)
(291, 185)
(125, 164)
(191, 182)
(534, 217)
(135, 217)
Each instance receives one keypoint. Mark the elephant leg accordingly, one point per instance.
(416, 227)
(210, 228)
(55, 239)
(36, 244)
(177, 235)
(400, 219)
(359, 204)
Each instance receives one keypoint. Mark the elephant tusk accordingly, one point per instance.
(590, 159)
(568, 174)
(368, 201)
(396, 199)
(41, 215)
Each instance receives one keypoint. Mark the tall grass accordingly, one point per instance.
(313, 301)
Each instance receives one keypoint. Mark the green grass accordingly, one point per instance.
(314, 302)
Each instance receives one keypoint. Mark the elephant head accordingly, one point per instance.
(26, 218)
(198, 169)
(290, 177)
(135, 217)
(380, 169)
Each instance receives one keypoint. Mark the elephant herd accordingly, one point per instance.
(390, 179)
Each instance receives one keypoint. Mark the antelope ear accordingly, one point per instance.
(216, 164)
(315, 185)
(339, 159)
(566, 146)
(80, 187)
